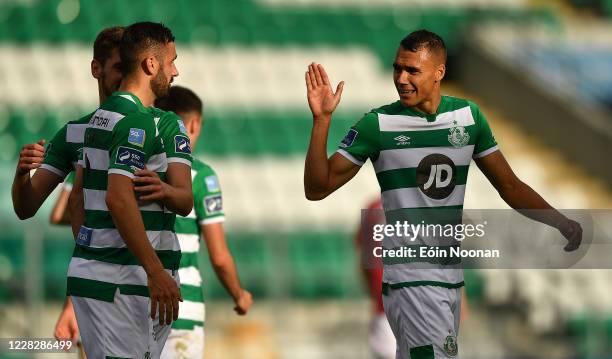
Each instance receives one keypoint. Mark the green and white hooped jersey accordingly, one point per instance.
(122, 137)
(207, 209)
(421, 163)
(63, 151)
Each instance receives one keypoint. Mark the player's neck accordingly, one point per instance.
(430, 106)
(139, 87)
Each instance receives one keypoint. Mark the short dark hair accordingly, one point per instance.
(139, 37)
(180, 99)
(419, 39)
(107, 40)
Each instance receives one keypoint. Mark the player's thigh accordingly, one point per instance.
(423, 321)
(188, 344)
(381, 337)
(108, 329)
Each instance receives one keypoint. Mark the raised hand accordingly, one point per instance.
(321, 98)
(31, 157)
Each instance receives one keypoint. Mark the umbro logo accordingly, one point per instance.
(402, 140)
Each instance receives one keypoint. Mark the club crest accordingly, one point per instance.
(458, 136)
(450, 346)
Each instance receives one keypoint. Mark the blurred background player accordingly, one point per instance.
(381, 339)
(186, 339)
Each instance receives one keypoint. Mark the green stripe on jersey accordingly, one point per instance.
(121, 137)
(421, 162)
(192, 293)
(186, 324)
(170, 259)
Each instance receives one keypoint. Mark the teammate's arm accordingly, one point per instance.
(223, 263)
(76, 202)
(29, 193)
(124, 210)
(176, 193)
(322, 176)
(60, 214)
(521, 197)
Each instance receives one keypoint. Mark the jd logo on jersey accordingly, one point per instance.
(436, 176)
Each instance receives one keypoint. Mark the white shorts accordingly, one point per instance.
(122, 328)
(425, 321)
(184, 344)
(382, 340)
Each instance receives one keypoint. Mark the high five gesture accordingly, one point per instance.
(321, 98)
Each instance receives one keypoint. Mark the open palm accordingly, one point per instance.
(321, 98)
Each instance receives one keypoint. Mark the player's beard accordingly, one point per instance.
(109, 88)
(159, 84)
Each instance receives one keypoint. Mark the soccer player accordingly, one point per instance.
(61, 157)
(29, 193)
(125, 264)
(186, 339)
(421, 147)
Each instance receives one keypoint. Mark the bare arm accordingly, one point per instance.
(322, 175)
(60, 214)
(29, 193)
(176, 193)
(122, 205)
(76, 202)
(224, 266)
(523, 198)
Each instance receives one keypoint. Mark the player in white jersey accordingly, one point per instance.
(421, 147)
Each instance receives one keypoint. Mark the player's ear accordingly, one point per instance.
(440, 72)
(96, 69)
(150, 65)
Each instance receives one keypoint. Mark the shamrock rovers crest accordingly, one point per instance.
(450, 345)
(458, 136)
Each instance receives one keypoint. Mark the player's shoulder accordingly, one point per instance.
(202, 168)
(205, 176)
(168, 120)
(393, 108)
(81, 120)
(453, 103)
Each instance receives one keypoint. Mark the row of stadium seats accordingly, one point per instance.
(246, 21)
(236, 134)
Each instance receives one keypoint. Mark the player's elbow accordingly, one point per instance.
(220, 261)
(315, 196)
(187, 208)
(23, 214)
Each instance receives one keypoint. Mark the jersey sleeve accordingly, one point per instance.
(176, 141)
(132, 143)
(485, 142)
(69, 181)
(207, 198)
(361, 141)
(57, 158)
